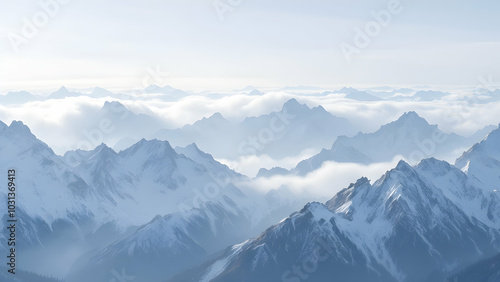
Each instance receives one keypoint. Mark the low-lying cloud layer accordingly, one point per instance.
(63, 123)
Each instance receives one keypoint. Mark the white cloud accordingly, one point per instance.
(324, 182)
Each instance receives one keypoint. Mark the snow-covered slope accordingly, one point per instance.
(263, 172)
(482, 162)
(307, 245)
(169, 244)
(43, 176)
(210, 213)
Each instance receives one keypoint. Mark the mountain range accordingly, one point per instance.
(177, 214)
(75, 205)
(415, 223)
(279, 134)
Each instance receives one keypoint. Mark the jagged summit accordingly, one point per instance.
(152, 144)
(346, 90)
(409, 120)
(255, 92)
(293, 106)
(62, 93)
(410, 115)
(63, 89)
(194, 147)
(355, 94)
(403, 165)
(19, 128)
(193, 152)
(104, 149)
(108, 104)
(217, 116)
(115, 107)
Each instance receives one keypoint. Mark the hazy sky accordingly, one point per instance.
(118, 44)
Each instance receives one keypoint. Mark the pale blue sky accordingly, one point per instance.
(263, 43)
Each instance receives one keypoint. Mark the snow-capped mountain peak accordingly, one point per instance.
(63, 90)
(255, 92)
(292, 106)
(217, 116)
(409, 120)
(113, 106)
(410, 136)
(20, 129)
(104, 151)
(154, 148)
